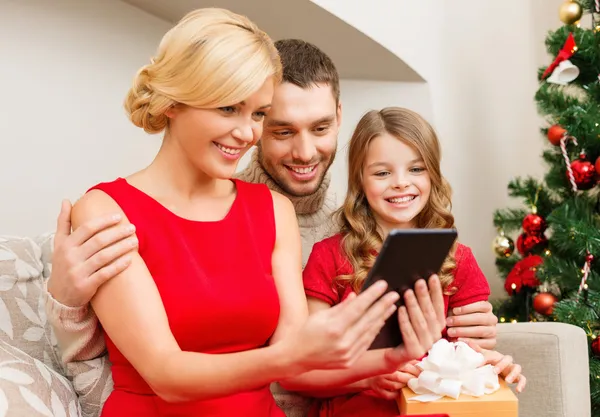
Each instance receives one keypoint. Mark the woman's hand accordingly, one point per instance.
(503, 365)
(335, 338)
(388, 386)
(421, 321)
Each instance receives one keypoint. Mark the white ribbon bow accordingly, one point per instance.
(452, 368)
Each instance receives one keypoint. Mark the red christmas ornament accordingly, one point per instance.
(596, 347)
(584, 173)
(534, 224)
(543, 303)
(597, 164)
(528, 243)
(555, 134)
(523, 274)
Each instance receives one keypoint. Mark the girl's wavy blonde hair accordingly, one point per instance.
(211, 58)
(361, 239)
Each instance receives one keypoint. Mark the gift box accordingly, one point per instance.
(457, 380)
(501, 403)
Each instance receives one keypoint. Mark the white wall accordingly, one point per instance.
(408, 28)
(65, 67)
(64, 76)
(485, 110)
(480, 59)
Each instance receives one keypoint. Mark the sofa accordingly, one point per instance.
(34, 382)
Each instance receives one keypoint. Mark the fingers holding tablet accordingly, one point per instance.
(437, 299)
(418, 323)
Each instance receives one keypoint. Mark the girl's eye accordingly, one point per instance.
(381, 173)
(227, 109)
(418, 169)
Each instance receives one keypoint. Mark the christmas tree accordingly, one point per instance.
(554, 273)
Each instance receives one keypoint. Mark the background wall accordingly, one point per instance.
(484, 108)
(65, 68)
(64, 75)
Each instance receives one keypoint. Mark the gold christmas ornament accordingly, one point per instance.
(570, 12)
(503, 246)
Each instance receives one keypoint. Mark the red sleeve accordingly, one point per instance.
(470, 285)
(320, 272)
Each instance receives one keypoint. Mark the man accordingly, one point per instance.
(293, 157)
(299, 139)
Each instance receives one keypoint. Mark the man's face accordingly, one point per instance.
(300, 137)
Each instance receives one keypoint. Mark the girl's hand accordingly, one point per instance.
(421, 321)
(503, 365)
(388, 386)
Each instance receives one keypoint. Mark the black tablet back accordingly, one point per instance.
(406, 256)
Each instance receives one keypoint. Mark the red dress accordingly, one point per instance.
(215, 281)
(327, 261)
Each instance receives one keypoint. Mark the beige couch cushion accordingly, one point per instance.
(92, 380)
(30, 388)
(23, 321)
(46, 244)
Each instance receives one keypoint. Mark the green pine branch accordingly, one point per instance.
(575, 229)
(533, 193)
(505, 265)
(579, 310)
(556, 177)
(595, 385)
(566, 273)
(509, 219)
(593, 91)
(552, 101)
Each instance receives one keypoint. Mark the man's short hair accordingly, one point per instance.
(305, 65)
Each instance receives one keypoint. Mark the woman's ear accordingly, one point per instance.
(172, 111)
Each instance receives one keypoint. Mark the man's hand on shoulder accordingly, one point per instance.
(83, 260)
(474, 322)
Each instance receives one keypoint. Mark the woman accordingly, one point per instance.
(211, 308)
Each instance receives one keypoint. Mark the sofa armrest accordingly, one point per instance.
(554, 357)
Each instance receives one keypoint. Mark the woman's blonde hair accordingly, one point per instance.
(211, 58)
(361, 239)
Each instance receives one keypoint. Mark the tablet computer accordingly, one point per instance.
(406, 256)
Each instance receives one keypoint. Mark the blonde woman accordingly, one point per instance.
(394, 182)
(210, 308)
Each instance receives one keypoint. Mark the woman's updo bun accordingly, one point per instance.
(146, 108)
(211, 58)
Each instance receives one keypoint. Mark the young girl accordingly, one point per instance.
(394, 182)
